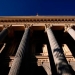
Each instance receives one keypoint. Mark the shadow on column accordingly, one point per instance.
(71, 43)
(30, 67)
(53, 68)
(4, 63)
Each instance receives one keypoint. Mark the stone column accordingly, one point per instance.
(4, 32)
(70, 31)
(23, 47)
(61, 63)
(46, 66)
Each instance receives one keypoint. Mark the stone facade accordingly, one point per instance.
(39, 44)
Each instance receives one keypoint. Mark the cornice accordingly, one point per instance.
(17, 19)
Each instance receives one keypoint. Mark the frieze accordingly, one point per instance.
(37, 19)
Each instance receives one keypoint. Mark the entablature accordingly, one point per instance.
(38, 19)
(18, 22)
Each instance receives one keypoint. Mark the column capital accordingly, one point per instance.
(6, 26)
(27, 25)
(48, 25)
(67, 26)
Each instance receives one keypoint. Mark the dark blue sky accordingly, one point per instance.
(32, 7)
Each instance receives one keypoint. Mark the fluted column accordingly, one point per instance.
(70, 31)
(23, 47)
(4, 32)
(46, 66)
(61, 64)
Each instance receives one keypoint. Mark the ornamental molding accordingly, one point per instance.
(27, 25)
(38, 19)
(67, 26)
(48, 25)
(7, 26)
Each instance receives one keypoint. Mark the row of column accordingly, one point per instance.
(61, 64)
